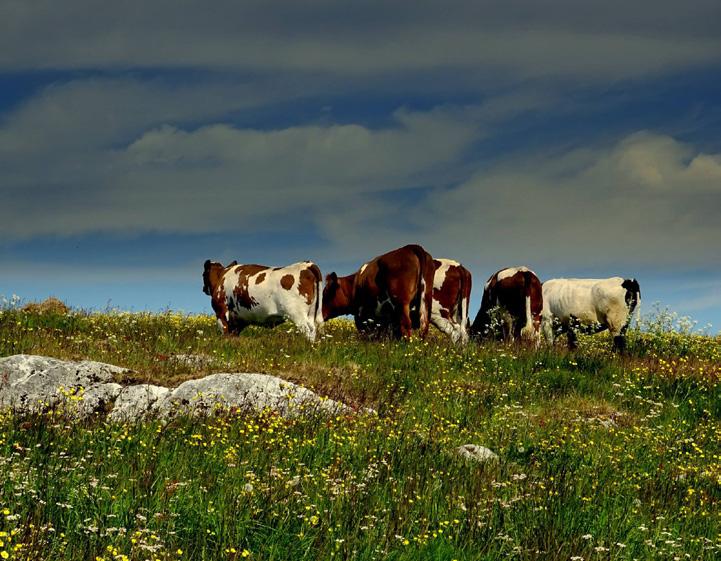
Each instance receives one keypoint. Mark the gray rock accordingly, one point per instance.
(251, 392)
(194, 361)
(33, 383)
(477, 453)
(135, 402)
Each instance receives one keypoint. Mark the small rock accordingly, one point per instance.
(194, 361)
(477, 453)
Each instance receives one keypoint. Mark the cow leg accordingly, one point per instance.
(617, 325)
(572, 339)
(236, 326)
(619, 344)
(426, 305)
(455, 332)
(568, 328)
(406, 325)
(308, 329)
(507, 327)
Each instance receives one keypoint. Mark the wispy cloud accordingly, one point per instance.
(598, 41)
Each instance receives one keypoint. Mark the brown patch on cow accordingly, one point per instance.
(286, 281)
(260, 278)
(310, 278)
(240, 291)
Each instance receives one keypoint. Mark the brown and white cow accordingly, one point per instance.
(256, 294)
(391, 293)
(451, 295)
(517, 292)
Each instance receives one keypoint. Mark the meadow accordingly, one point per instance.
(600, 456)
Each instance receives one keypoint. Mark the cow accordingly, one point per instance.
(451, 295)
(390, 294)
(517, 293)
(256, 294)
(594, 304)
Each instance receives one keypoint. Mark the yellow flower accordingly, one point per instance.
(4, 554)
(245, 553)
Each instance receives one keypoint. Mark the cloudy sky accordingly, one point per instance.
(139, 139)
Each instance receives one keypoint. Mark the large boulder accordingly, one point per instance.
(34, 383)
(31, 383)
(251, 392)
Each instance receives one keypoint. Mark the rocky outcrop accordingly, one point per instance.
(34, 383)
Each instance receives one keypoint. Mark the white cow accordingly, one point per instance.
(595, 304)
(256, 294)
(451, 295)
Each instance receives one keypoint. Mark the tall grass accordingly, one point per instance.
(601, 457)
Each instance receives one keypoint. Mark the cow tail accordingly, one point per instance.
(425, 286)
(318, 311)
(527, 331)
(464, 296)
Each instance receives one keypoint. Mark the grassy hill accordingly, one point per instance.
(601, 457)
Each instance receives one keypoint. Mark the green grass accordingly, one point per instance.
(601, 457)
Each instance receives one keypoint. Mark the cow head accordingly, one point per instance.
(337, 296)
(212, 273)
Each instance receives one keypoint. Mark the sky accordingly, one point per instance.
(138, 140)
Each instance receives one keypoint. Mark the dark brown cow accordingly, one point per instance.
(451, 295)
(392, 293)
(518, 294)
(256, 294)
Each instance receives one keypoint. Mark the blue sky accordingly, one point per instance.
(137, 141)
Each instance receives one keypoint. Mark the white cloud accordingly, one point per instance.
(647, 200)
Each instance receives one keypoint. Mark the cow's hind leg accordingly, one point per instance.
(406, 324)
(570, 329)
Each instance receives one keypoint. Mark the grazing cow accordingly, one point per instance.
(256, 294)
(594, 304)
(392, 293)
(451, 294)
(517, 292)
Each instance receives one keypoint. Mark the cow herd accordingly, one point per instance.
(407, 289)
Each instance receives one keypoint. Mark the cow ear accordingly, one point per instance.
(233, 263)
(206, 265)
(332, 277)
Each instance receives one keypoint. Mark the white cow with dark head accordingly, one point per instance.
(592, 304)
